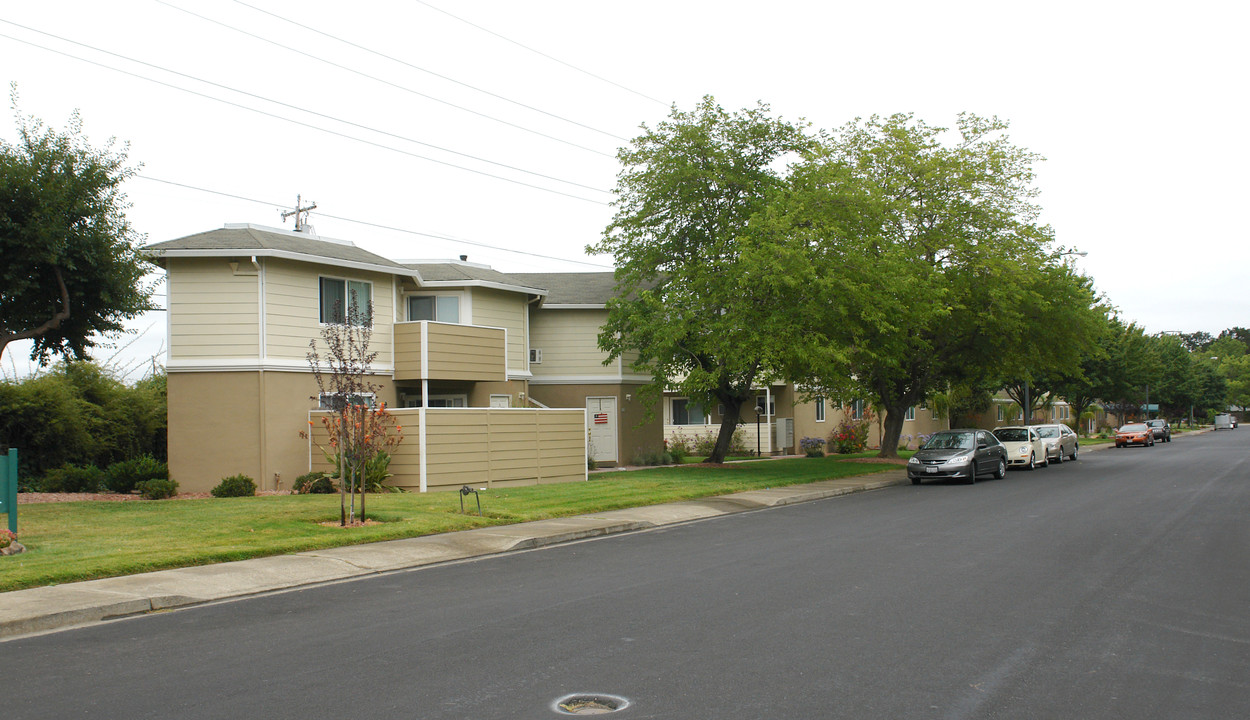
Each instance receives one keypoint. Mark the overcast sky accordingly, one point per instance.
(489, 128)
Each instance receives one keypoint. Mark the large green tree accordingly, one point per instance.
(928, 268)
(702, 303)
(70, 270)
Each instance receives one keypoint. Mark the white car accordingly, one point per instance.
(1025, 447)
(1060, 441)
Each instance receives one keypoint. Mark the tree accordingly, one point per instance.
(928, 270)
(702, 305)
(70, 269)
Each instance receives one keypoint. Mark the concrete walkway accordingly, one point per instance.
(63, 606)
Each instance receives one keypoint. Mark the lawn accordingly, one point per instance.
(74, 541)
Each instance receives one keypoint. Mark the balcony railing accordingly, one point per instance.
(427, 350)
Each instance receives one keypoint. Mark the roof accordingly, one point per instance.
(460, 274)
(234, 240)
(591, 290)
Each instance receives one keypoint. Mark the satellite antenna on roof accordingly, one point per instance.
(301, 215)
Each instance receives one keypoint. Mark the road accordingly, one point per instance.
(1114, 587)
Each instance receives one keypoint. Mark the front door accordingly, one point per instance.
(601, 424)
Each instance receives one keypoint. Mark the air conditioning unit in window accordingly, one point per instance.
(536, 356)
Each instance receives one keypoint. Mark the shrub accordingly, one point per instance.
(72, 479)
(7, 538)
(904, 441)
(313, 483)
(651, 457)
(850, 436)
(158, 489)
(234, 486)
(679, 446)
(812, 447)
(125, 476)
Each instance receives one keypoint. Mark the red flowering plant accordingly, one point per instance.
(7, 538)
(851, 436)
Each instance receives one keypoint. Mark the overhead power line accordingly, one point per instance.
(379, 226)
(430, 72)
(388, 83)
(296, 122)
(541, 53)
(305, 110)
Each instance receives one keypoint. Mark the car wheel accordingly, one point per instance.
(1046, 460)
(1059, 458)
(1032, 462)
(1075, 448)
(1000, 472)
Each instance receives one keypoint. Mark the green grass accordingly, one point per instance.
(74, 541)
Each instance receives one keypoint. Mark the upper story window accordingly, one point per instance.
(766, 403)
(910, 414)
(344, 300)
(443, 308)
(857, 410)
(820, 409)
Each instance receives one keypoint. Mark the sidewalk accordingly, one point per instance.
(63, 606)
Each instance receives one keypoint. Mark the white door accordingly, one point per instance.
(601, 423)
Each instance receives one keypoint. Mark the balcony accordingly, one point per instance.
(426, 350)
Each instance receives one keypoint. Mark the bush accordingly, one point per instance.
(72, 479)
(314, 483)
(234, 486)
(158, 489)
(652, 457)
(125, 476)
(679, 446)
(850, 436)
(812, 447)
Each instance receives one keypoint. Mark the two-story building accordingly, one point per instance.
(452, 342)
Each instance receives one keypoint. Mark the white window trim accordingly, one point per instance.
(346, 296)
(461, 300)
(820, 409)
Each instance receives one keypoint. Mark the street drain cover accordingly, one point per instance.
(590, 704)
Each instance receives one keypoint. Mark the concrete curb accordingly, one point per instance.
(58, 607)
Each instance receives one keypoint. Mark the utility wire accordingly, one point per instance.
(300, 123)
(377, 225)
(430, 72)
(384, 82)
(541, 53)
(305, 110)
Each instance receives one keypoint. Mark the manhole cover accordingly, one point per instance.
(590, 704)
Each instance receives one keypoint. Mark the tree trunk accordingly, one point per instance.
(728, 424)
(892, 431)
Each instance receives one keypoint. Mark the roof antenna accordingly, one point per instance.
(300, 213)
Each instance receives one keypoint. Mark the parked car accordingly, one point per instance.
(1024, 446)
(1134, 434)
(1060, 441)
(963, 454)
(1160, 429)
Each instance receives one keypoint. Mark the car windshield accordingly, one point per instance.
(949, 441)
(1048, 432)
(1156, 423)
(1012, 434)
(1133, 427)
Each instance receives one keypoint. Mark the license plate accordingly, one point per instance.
(930, 469)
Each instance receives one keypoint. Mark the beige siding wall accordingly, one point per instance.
(484, 447)
(805, 424)
(292, 298)
(496, 308)
(214, 312)
(569, 340)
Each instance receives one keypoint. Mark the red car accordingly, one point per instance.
(1134, 434)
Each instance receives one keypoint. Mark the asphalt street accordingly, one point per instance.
(1114, 587)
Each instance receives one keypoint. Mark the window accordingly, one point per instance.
(687, 412)
(768, 403)
(331, 401)
(343, 300)
(820, 409)
(911, 413)
(857, 410)
(442, 308)
(1000, 412)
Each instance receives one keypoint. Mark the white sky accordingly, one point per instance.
(1139, 108)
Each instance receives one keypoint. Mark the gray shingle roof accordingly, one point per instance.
(255, 240)
(571, 288)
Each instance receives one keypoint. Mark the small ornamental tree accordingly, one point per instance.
(361, 431)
